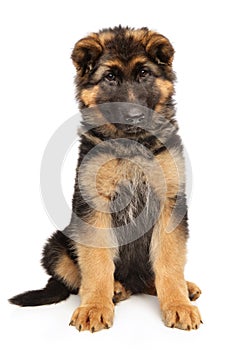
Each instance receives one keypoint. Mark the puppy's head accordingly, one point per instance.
(129, 68)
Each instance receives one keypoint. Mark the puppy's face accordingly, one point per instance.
(131, 69)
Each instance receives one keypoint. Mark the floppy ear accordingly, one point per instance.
(85, 54)
(160, 49)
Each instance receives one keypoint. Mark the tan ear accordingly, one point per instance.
(85, 54)
(160, 49)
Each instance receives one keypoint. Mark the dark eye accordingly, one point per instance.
(143, 73)
(110, 77)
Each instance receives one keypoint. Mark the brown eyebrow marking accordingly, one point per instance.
(143, 61)
(114, 64)
(105, 66)
(99, 72)
(138, 60)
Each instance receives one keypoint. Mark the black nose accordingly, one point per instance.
(134, 118)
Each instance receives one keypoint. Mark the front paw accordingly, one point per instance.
(93, 317)
(183, 316)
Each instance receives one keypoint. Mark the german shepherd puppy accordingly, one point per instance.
(128, 228)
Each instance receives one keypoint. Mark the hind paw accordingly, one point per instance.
(120, 293)
(194, 291)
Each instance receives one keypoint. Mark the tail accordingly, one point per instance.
(54, 292)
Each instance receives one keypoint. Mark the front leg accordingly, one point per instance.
(97, 282)
(96, 292)
(96, 179)
(168, 253)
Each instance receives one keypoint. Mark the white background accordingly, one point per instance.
(37, 96)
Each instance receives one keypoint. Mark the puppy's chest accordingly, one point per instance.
(122, 177)
(127, 186)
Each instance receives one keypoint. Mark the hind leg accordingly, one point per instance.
(194, 291)
(120, 293)
(60, 261)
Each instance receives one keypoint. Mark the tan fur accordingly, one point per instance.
(97, 288)
(137, 60)
(106, 66)
(194, 291)
(99, 73)
(105, 37)
(96, 263)
(97, 284)
(168, 260)
(166, 90)
(168, 252)
(143, 61)
(138, 34)
(99, 177)
(98, 180)
(155, 38)
(114, 63)
(172, 165)
(120, 293)
(107, 179)
(92, 138)
(68, 271)
(88, 96)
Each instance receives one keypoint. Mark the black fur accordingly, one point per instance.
(133, 269)
(54, 292)
(56, 246)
